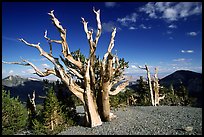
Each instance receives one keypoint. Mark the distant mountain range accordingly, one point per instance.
(21, 87)
(191, 80)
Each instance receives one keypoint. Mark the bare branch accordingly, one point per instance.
(119, 88)
(98, 25)
(88, 33)
(116, 80)
(156, 73)
(111, 45)
(65, 48)
(162, 97)
(142, 67)
(18, 63)
(49, 40)
(97, 18)
(76, 73)
(38, 72)
(56, 22)
(42, 52)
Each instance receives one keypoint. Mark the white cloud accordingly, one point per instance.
(172, 26)
(133, 66)
(149, 9)
(11, 72)
(170, 14)
(179, 59)
(10, 39)
(132, 28)
(45, 65)
(172, 11)
(144, 27)
(182, 60)
(30, 71)
(125, 21)
(41, 59)
(110, 4)
(192, 33)
(187, 51)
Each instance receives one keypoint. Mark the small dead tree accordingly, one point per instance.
(149, 82)
(31, 107)
(156, 87)
(153, 86)
(96, 82)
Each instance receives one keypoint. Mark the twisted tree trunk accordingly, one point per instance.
(90, 85)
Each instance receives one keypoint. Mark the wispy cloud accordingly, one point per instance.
(127, 20)
(171, 11)
(181, 60)
(108, 27)
(11, 72)
(144, 27)
(133, 66)
(30, 71)
(172, 26)
(110, 4)
(41, 59)
(132, 28)
(187, 51)
(10, 39)
(45, 65)
(192, 33)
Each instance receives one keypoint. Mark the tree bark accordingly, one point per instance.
(157, 97)
(84, 71)
(150, 84)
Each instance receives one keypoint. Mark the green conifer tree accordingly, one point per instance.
(52, 115)
(142, 89)
(14, 114)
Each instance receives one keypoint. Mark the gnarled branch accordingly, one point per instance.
(65, 48)
(119, 88)
(38, 72)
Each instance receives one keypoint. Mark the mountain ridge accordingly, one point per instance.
(189, 79)
(21, 87)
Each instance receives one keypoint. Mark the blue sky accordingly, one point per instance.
(167, 35)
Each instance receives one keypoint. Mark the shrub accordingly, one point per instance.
(14, 114)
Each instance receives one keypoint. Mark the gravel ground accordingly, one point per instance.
(147, 120)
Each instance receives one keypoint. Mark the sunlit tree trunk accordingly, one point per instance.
(84, 71)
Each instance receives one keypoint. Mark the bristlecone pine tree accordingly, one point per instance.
(95, 77)
(153, 86)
